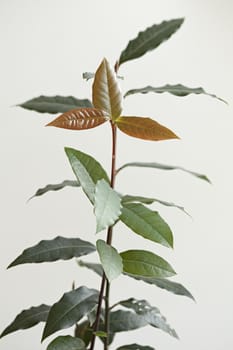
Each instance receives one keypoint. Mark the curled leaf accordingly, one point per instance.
(80, 119)
(144, 128)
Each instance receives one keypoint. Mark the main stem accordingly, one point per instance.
(105, 285)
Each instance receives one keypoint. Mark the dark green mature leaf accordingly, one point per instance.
(162, 167)
(149, 200)
(70, 309)
(66, 343)
(149, 39)
(110, 259)
(164, 283)
(59, 248)
(28, 318)
(146, 264)
(146, 223)
(135, 347)
(151, 314)
(123, 321)
(97, 268)
(107, 205)
(83, 330)
(144, 128)
(56, 187)
(55, 104)
(106, 94)
(87, 170)
(80, 119)
(177, 90)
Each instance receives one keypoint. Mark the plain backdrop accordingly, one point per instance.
(46, 45)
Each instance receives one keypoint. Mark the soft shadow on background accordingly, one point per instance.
(45, 48)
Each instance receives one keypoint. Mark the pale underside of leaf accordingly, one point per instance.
(110, 259)
(162, 167)
(60, 248)
(152, 314)
(55, 104)
(28, 318)
(146, 264)
(147, 223)
(80, 119)
(107, 205)
(56, 187)
(177, 90)
(70, 309)
(144, 128)
(66, 343)
(149, 39)
(87, 170)
(106, 94)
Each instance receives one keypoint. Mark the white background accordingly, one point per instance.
(45, 47)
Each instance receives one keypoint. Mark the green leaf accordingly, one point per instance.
(110, 259)
(146, 264)
(162, 167)
(55, 104)
(144, 128)
(80, 119)
(107, 205)
(163, 283)
(70, 309)
(56, 187)
(149, 200)
(149, 39)
(146, 223)
(106, 94)
(27, 319)
(123, 321)
(135, 347)
(88, 75)
(87, 170)
(66, 343)
(151, 314)
(97, 268)
(177, 90)
(84, 331)
(101, 334)
(59, 248)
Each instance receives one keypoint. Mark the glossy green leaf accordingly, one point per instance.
(80, 119)
(149, 200)
(87, 170)
(123, 321)
(149, 39)
(162, 167)
(107, 205)
(146, 264)
(59, 248)
(66, 342)
(55, 104)
(70, 309)
(110, 260)
(177, 90)
(106, 94)
(135, 347)
(163, 283)
(147, 223)
(97, 268)
(144, 128)
(151, 314)
(28, 318)
(88, 75)
(56, 187)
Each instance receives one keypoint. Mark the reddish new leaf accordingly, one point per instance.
(144, 128)
(106, 94)
(80, 119)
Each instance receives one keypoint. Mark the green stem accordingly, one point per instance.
(104, 279)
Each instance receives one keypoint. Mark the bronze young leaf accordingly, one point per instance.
(144, 128)
(80, 119)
